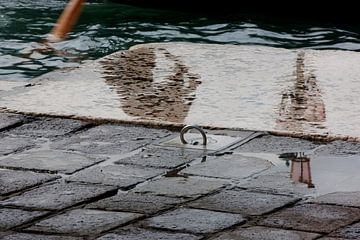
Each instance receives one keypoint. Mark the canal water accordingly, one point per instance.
(107, 27)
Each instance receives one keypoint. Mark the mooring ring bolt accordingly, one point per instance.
(187, 128)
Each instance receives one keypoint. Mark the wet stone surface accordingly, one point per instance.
(133, 233)
(10, 218)
(48, 127)
(350, 199)
(180, 187)
(350, 232)
(244, 202)
(260, 233)
(194, 221)
(232, 166)
(313, 218)
(83, 222)
(136, 202)
(26, 236)
(279, 183)
(56, 196)
(49, 161)
(161, 157)
(340, 148)
(12, 181)
(274, 144)
(110, 139)
(116, 175)
(9, 120)
(14, 144)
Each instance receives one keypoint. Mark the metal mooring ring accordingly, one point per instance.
(187, 128)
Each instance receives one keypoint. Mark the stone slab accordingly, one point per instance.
(339, 148)
(56, 196)
(13, 181)
(194, 221)
(49, 161)
(260, 233)
(136, 202)
(313, 218)
(243, 202)
(274, 144)
(110, 139)
(8, 120)
(116, 175)
(246, 87)
(27, 236)
(10, 218)
(161, 157)
(14, 144)
(232, 166)
(180, 187)
(349, 232)
(350, 199)
(83, 222)
(132, 233)
(48, 127)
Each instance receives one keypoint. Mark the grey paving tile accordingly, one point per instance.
(261, 233)
(48, 161)
(15, 144)
(136, 202)
(10, 119)
(48, 127)
(13, 181)
(116, 175)
(83, 222)
(350, 199)
(161, 157)
(244, 202)
(194, 221)
(313, 218)
(56, 196)
(349, 232)
(274, 144)
(27, 236)
(232, 166)
(10, 218)
(132, 233)
(339, 148)
(110, 139)
(180, 186)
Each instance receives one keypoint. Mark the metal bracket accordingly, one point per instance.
(187, 128)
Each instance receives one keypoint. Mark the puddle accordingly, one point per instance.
(320, 174)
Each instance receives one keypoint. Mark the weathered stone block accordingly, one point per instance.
(12, 181)
(83, 222)
(136, 202)
(350, 199)
(49, 161)
(228, 166)
(161, 157)
(116, 175)
(57, 196)
(10, 218)
(110, 139)
(260, 233)
(9, 119)
(244, 202)
(26, 236)
(349, 232)
(194, 221)
(313, 218)
(14, 144)
(180, 187)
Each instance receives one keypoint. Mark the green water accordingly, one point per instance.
(105, 28)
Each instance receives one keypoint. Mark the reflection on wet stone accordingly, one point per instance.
(302, 107)
(131, 74)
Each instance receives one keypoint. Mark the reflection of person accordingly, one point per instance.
(168, 97)
(300, 171)
(302, 106)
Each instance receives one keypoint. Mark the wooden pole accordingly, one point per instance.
(66, 21)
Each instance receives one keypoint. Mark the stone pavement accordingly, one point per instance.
(71, 179)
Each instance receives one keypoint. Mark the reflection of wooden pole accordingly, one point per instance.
(301, 172)
(67, 20)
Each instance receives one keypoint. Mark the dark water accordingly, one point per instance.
(105, 28)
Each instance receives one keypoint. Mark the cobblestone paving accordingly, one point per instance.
(71, 179)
